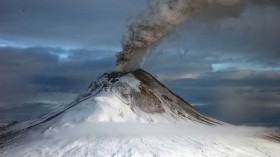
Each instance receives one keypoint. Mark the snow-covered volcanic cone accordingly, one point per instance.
(132, 114)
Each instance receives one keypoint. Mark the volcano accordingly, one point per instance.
(131, 114)
(134, 96)
(141, 98)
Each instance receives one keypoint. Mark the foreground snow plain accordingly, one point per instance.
(128, 139)
(104, 124)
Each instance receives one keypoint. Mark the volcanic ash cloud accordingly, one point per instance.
(148, 29)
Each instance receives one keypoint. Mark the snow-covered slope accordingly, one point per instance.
(132, 114)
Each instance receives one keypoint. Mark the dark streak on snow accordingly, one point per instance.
(178, 105)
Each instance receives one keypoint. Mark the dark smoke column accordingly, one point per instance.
(151, 26)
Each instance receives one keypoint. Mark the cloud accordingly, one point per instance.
(252, 38)
(236, 94)
(27, 72)
(233, 96)
(56, 84)
(254, 87)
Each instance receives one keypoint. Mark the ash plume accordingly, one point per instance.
(148, 29)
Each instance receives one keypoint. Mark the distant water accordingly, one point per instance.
(266, 116)
(23, 112)
(272, 124)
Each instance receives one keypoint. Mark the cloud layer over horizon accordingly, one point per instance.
(51, 51)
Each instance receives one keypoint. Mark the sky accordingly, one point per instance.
(223, 61)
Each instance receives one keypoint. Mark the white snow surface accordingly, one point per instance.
(104, 125)
(143, 140)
